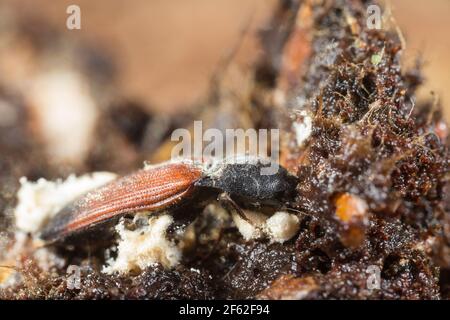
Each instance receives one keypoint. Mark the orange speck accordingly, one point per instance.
(349, 206)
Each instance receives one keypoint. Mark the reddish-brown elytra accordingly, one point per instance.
(145, 190)
(162, 187)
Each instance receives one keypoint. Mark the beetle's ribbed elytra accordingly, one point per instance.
(150, 189)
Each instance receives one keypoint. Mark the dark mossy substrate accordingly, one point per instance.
(370, 138)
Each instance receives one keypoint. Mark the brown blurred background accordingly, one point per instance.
(166, 51)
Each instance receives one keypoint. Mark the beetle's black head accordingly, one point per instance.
(248, 181)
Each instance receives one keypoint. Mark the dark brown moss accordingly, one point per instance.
(371, 140)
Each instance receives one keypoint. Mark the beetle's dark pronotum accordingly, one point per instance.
(166, 186)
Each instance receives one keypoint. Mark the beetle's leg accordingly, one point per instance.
(229, 204)
(129, 222)
(292, 210)
(298, 213)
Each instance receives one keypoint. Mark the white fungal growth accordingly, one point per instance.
(253, 229)
(302, 128)
(144, 247)
(280, 227)
(41, 200)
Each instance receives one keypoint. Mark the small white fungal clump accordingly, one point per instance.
(41, 200)
(253, 230)
(280, 227)
(303, 129)
(144, 247)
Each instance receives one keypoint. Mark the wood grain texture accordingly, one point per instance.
(145, 190)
